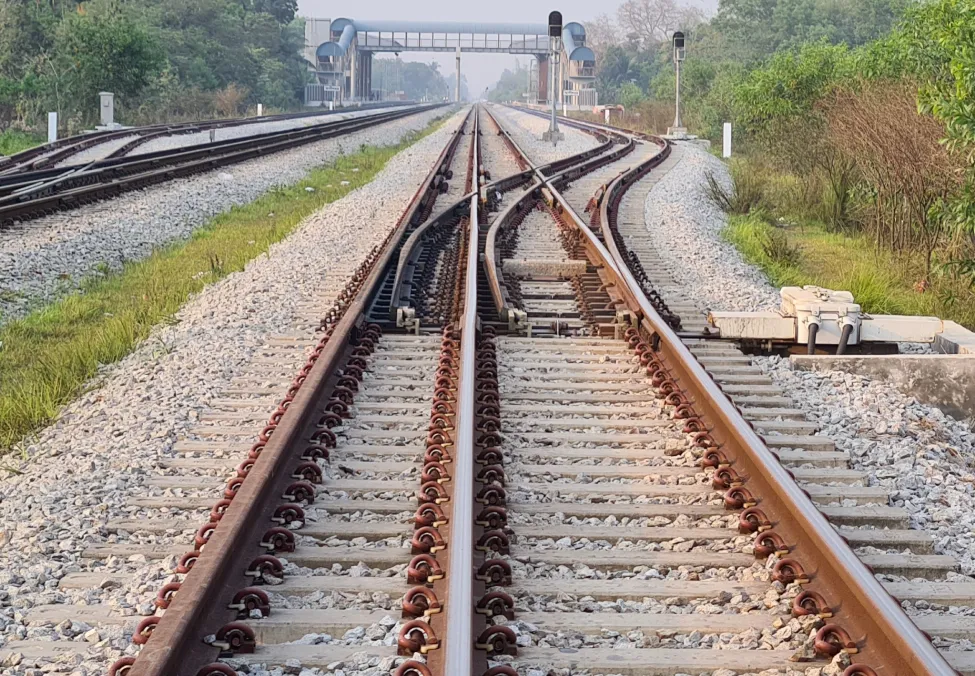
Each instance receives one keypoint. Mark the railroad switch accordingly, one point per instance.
(816, 317)
(406, 319)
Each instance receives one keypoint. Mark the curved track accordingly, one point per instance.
(507, 454)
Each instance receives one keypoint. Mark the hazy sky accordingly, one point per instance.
(482, 70)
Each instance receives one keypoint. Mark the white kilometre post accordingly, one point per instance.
(726, 141)
(52, 127)
(260, 109)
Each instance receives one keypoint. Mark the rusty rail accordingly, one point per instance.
(459, 641)
(878, 632)
(865, 621)
(175, 646)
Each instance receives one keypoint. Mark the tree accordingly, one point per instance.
(511, 86)
(749, 30)
(630, 95)
(283, 11)
(103, 49)
(601, 34)
(647, 23)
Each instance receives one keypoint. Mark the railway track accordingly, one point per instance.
(65, 149)
(37, 192)
(526, 460)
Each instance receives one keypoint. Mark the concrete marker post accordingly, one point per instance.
(726, 146)
(107, 108)
(52, 127)
(260, 109)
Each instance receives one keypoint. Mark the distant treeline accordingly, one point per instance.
(163, 59)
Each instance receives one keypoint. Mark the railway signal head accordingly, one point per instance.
(678, 46)
(555, 24)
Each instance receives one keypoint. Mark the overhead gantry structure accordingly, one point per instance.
(344, 63)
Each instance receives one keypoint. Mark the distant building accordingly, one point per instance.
(316, 32)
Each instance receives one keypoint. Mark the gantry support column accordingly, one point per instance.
(457, 92)
(353, 74)
(367, 76)
(542, 79)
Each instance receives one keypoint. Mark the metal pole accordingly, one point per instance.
(458, 75)
(553, 134)
(677, 98)
(555, 102)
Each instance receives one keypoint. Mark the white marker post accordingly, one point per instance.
(726, 148)
(52, 127)
(260, 109)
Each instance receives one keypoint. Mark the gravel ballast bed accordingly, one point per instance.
(685, 228)
(103, 150)
(245, 130)
(48, 257)
(527, 129)
(923, 456)
(80, 473)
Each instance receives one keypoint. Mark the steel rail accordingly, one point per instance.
(116, 167)
(175, 647)
(583, 125)
(401, 286)
(410, 250)
(458, 656)
(65, 147)
(197, 127)
(14, 208)
(492, 264)
(887, 640)
(568, 172)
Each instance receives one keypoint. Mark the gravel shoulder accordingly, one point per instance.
(925, 458)
(46, 258)
(685, 229)
(77, 475)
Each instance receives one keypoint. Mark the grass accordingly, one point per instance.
(47, 357)
(881, 282)
(13, 141)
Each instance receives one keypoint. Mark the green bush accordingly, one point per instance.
(776, 246)
(13, 141)
(746, 194)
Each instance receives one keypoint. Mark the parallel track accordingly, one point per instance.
(32, 194)
(540, 474)
(64, 149)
